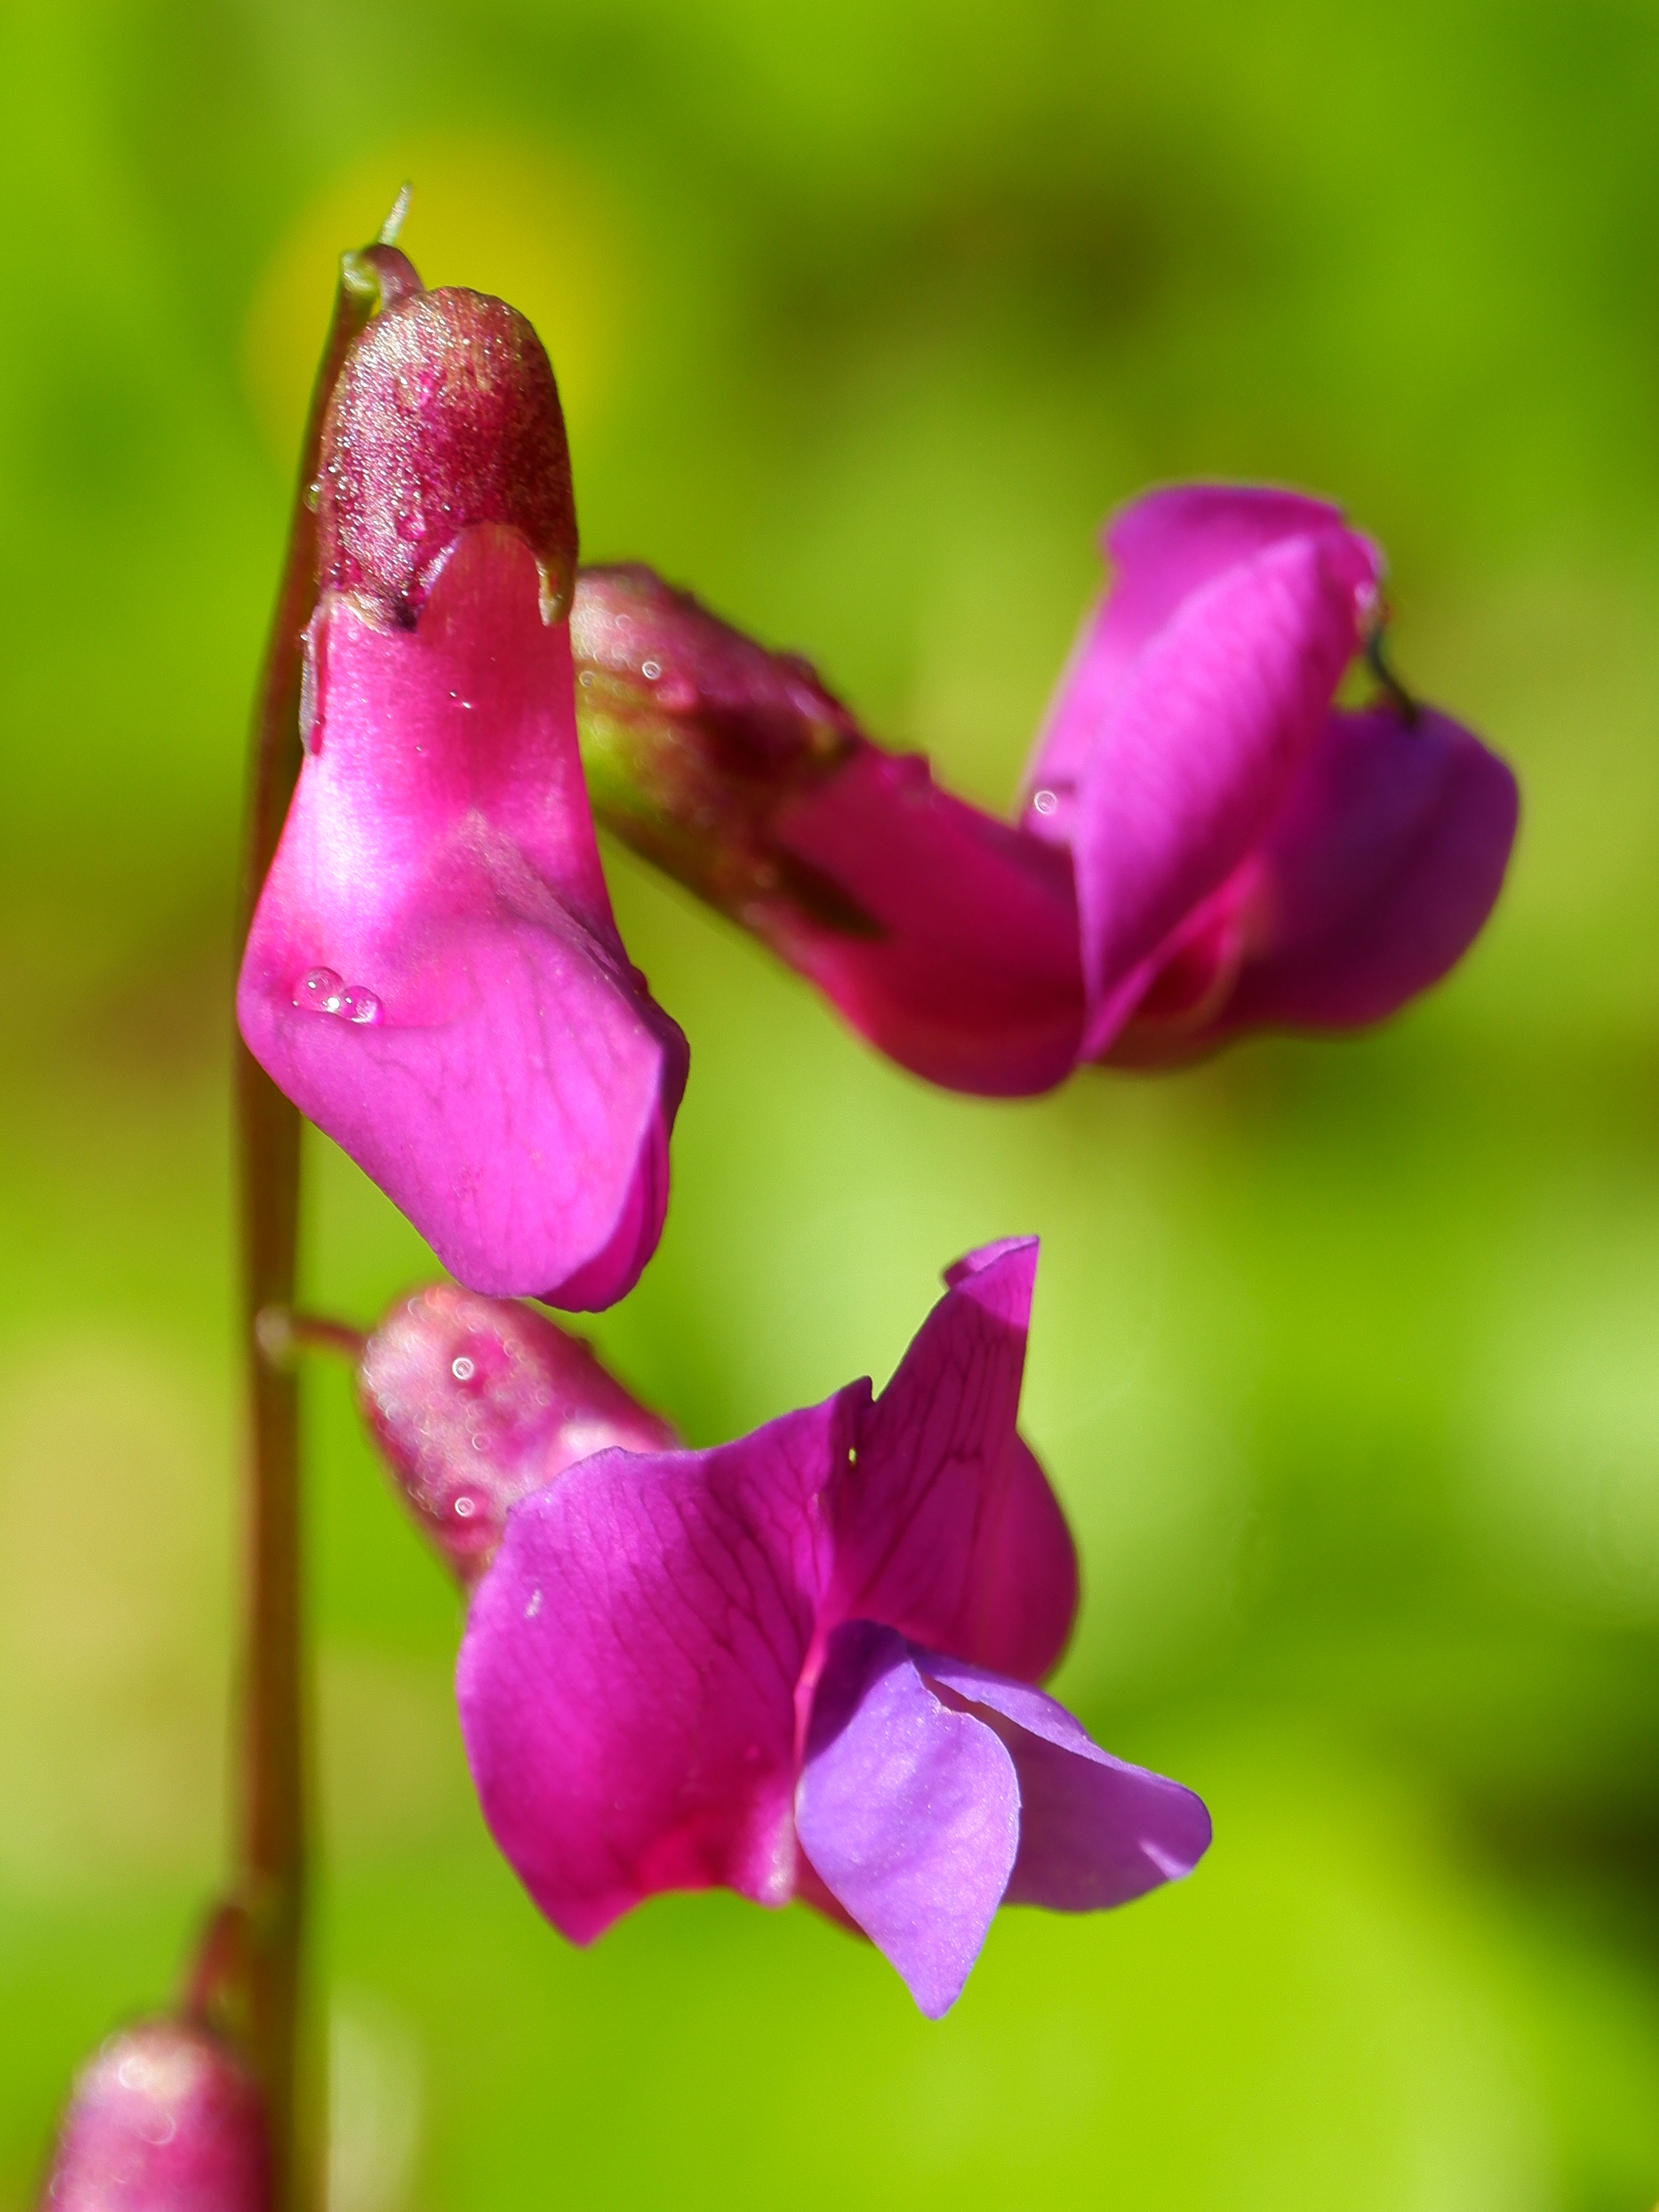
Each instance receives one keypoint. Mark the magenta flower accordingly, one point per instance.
(434, 975)
(474, 1401)
(163, 2119)
(1247, 854)
(801, 1664)
(1207, 844)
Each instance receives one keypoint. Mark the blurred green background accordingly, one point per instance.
(1346, 1356)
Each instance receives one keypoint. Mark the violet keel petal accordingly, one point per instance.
(1095, 1832)
(908, 1812)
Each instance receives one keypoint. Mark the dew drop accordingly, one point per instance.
(466, 1508)
(1044, 801)
(463, 1369)
(319, 989)
(651, 670)
(585, 678)
(323, 993)
(534, 1605)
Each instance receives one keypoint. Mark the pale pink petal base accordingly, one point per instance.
(495, 1063)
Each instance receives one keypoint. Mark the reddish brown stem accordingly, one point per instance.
(274, 1773)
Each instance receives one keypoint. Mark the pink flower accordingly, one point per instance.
(801, 1664)
(163, 2119)
(434, 975)
(474, 1401)
(1246, 853)
(1206, 844)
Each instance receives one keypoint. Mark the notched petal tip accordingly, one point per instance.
(908, 1812)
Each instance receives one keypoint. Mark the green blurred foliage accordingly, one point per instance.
(1345, 1356)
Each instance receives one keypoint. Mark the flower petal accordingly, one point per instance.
(1094, 1830)
(627, 1681)
(1386, 861)
(1162, 548)
(1198, 746)
(946, 1529)
(967, 970)
(479, 1042)
(908, 1812)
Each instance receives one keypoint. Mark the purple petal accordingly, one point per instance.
(433, 976)
(1094, 1830)
(908, 1812)
(1385, 863)
(966, 968)
(628, 1680)
(1198, 747)
(1162, 548)
(946, 1529)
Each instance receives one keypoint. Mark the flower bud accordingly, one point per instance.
(163, 2119)
(433, 973)
(475, 1401)
(445, 414)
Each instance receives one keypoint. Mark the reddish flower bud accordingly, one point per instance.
(475, 1401)
(445, 414)
(163, 2119)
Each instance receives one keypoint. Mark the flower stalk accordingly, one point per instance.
(271, 1812)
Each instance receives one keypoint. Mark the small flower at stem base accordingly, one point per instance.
(164, 2119)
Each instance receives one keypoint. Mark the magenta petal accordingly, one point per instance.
(946, 1529)
(966, 967)
(433, 976)
(1094, 1830)
(1198, 746)
(627, 1681)
(1162, 548)
(1379, 873)
(908, 1812)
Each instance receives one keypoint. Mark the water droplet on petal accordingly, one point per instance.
(463, 1369)
(651, 670)
(1044, 801)
(319, 989)
(466, 1508)
(358, 1005)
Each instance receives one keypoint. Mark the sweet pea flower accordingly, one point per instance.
(1207, 844)
(433, 973)
(475, 1401)
(803, 1665)
(1247, 854)
(163, 2119)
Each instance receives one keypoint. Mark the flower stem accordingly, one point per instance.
(272, 1839)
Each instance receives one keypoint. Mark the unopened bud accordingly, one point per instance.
(446, 415)
(164, 2119)
(694, 738)
(475, 1401)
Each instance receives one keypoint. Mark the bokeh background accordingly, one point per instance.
(1345, 1357)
